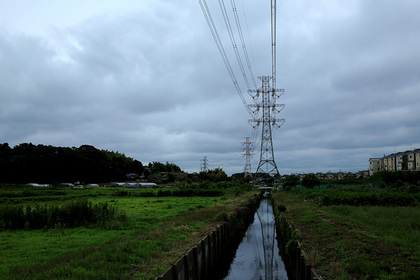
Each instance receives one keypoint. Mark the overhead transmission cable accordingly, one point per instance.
(249, 40)
(233, 41)
(238, 25)
(273, 43)
(213, 30)
(231, 159)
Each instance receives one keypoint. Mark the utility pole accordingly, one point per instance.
(248, 148)
(204, 164)
(267, 166)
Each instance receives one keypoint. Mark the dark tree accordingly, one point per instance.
(47, 164)
(291, 181)
(215, 175)
(310, 181)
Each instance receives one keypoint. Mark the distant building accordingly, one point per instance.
(401, 161)
(374, 165)
(417, 158)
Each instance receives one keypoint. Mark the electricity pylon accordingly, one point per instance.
(267, 166)
(248, 148)
(204, 164)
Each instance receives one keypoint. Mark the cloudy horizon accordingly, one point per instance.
(145, 78)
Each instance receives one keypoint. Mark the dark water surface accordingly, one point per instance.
(258, 256)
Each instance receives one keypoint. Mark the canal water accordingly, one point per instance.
(257, 257)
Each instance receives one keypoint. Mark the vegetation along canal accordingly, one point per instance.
(258, 256)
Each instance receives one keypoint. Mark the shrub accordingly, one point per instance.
(281, 208)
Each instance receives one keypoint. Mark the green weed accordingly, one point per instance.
(355, 242)
(157, 230)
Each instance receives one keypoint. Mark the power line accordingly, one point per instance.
(249, 40)
(232, 39)
(273, 43)
(222, 52)
(238, 25)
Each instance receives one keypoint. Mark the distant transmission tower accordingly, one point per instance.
(248, 148)
(267, 166)
(204, 164)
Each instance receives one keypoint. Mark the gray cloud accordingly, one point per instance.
(148, 81)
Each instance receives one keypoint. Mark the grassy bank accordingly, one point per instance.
(355, 242)
(156, 232)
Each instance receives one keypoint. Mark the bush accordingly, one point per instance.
(281, 208)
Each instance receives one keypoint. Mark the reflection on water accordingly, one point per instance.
(258, 256)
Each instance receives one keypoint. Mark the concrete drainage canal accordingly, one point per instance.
(224, 254)
(257, 256)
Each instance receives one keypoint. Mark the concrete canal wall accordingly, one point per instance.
(212, 256)
(294, 257)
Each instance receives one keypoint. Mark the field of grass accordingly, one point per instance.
(158, 230)
(355, 242)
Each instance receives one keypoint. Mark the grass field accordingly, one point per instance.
(158, 230)
(356, 242)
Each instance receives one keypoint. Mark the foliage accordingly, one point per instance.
(225, 187)
(48, 164)
(241, 177)
(160, 173)
(310, 181)
(291, 181)
(156, 167)
(74, 214)
(177, 192)
(388, 178)
(214, 175)
(158, 231)
(354, 242)
(361, 196)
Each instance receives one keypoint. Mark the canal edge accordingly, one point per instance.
(209, 257)
(294, 258)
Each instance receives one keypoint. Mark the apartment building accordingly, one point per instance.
(408, 160)
(374, 164)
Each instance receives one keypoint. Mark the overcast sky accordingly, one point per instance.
(145, 78)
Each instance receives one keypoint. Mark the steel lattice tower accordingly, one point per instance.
(248, 148)
(204, 164)
(267, 166)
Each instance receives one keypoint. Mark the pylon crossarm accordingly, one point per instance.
(277, 93)
(275, 110)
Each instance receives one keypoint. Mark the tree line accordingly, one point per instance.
(25, 163)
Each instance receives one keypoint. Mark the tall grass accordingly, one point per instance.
(358, 196)
(397, 224)
(74, 214)
(157, 231)
(357, 241)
